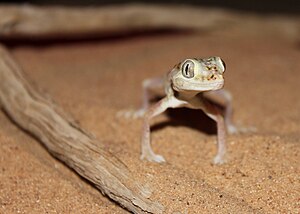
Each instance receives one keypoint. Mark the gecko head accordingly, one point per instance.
(198, 74)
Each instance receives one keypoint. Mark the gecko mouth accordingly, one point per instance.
(181, 85)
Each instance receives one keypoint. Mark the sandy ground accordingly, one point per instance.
(93, 80)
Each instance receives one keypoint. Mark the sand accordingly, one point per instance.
(94, 80)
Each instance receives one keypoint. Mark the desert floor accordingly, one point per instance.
(93, 80)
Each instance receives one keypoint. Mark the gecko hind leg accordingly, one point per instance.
(228, 114)
(148, 84)
(223, 98)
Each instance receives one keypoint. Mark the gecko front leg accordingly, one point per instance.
(156, 109)
(214, 113)
(221, 138)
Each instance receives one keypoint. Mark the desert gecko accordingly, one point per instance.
(196, 84)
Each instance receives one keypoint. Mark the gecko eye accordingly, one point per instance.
(224, 65)
(188, 69)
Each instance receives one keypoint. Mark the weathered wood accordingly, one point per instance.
(33, 22)
(66, 141)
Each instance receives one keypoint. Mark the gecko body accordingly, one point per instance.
(196, 84)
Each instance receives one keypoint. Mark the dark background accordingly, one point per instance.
(259, 6)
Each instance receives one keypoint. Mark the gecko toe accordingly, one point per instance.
(218, 160)
(153, 158)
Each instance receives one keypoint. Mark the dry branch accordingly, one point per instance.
(43, 22)
(66, 141)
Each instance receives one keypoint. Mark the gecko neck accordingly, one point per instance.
(186, 95)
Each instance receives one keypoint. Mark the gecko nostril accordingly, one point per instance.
(212, 77)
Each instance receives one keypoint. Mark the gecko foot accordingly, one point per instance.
(131, 114)
(153, 158)
(218, 160)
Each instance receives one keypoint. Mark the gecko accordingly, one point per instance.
(196, 84)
